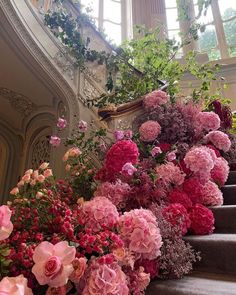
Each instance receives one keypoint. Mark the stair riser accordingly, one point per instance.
(225, 219)
(232, 178)
(229, 194)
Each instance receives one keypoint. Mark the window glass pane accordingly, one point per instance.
(208, 40)
(227, 8)
(230, 32)
(92, 5)
(170, 3)
(232, 51)
(172, 16)
(174, 35)
(112, 11)
(204, 19)
(113, 32)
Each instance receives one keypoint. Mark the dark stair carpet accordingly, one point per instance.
(216, 273)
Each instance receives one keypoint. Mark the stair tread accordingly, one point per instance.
(218, 237)
(198, 283)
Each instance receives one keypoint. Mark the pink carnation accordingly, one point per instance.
(141, 234)
(208, 121)
(53, 263)
(116, 192)
(212, 196)
(6, 226)
(106, 279)
(100, 212)
(178, 196)
(154, 99)
(220, 172)
(202, 220)
(170, 174)
(149, 131)
(219, 139)
(177, 215)
(14, 286)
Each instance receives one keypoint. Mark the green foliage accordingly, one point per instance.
(4, 260)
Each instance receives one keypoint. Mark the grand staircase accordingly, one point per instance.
(215, 274)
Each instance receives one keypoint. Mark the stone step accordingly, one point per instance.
(229, 193)
(232, 178)
(218, 252)
(225, 219)
(195, 284)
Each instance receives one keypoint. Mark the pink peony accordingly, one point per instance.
(177, 215)
(79, 265)
(6, 226)
(61, 123)
(141, 234)
(82, 126)
(106, 279)
(129, 169)
(170, 174)
(154, 99)
(53, 263)
(178, 196)
(149, 131)
(156, 151)
(212, 196)
(100, 212)
(208, 121)
(220, 172)
(14, 286)
(202, 220)
(55, 141)
(194, 189)
(219, 139)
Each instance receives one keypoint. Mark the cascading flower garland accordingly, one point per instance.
(113, 229)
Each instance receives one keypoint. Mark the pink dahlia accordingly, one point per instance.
(6, 226)
(53, 263)
(219, 139)
(170, 174)
(141, 234)
(154, 99)
(208, 121)
(179, 196)
(149, 131)
(212, 196)
(15, 286)
(106, 279)
(220, 172)
(194, 189)
(100, 212)
(202, 220)
(177, 215)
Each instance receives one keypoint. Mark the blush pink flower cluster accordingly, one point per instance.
(212, 196)
(53, 263)
(139, 229)
(170, 174)
(106, 279)
(6, 226)
(154, 99)
(100, 212)
(15, 286)
(208, 121)
(219, 139)
(149, 131)
(220, 172)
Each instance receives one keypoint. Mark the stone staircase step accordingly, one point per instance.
(218, 252)
(232, 178)
(225, 219)
(229, 193)
(195, 284)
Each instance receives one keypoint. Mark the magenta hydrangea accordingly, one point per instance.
(212, 196)
(154, 99)
(181, 197)
(220, 172)
(219, 139)
(149, 131)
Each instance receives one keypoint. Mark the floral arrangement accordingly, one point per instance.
(113, 228)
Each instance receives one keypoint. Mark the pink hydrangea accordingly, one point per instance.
(170, 174)
(202, 220)
(138, 280)
(154, 99)
(53, 263)
(194, 189)
(220, 172)
(140, 232)
(99, 213)
(116, 192)
(55, 141)
(177, 215)
(15, 286)
(149, 131)
(61, 123)
(212, 196)
(106, 279)
(219, 139)
(179, 196)
(6, 226)
(208, 121)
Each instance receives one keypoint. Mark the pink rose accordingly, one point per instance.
(47, 173)
(26, 178)
(171, 156)
(44, 166)
(53, 263)
(82, 126)
(149, 131)
(35, 174)
(14, 191)
(20, 183)
(129, 169)
(6, 225)
(14, 286)
(156, 151)
(29, 171)
(61, 123)
(55, 141)
(41, 178)
(72, 152)
(79, 265)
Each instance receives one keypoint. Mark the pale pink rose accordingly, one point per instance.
(41, 178)
(30, 171)
(156, 151)
(14, 286)
(53, 263)
(44, 166)
(82, 126)
(39, 195)
(47, 173)
(79, 265)
(6, 225)
(171, 156)
(33, 182)
(149, 131)
(61, 123)
(35, 174)
(129, 169)
(55, 141)
(56, 291)
(26, 178)
(68, 167)
(20, 183)
(14, 191)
